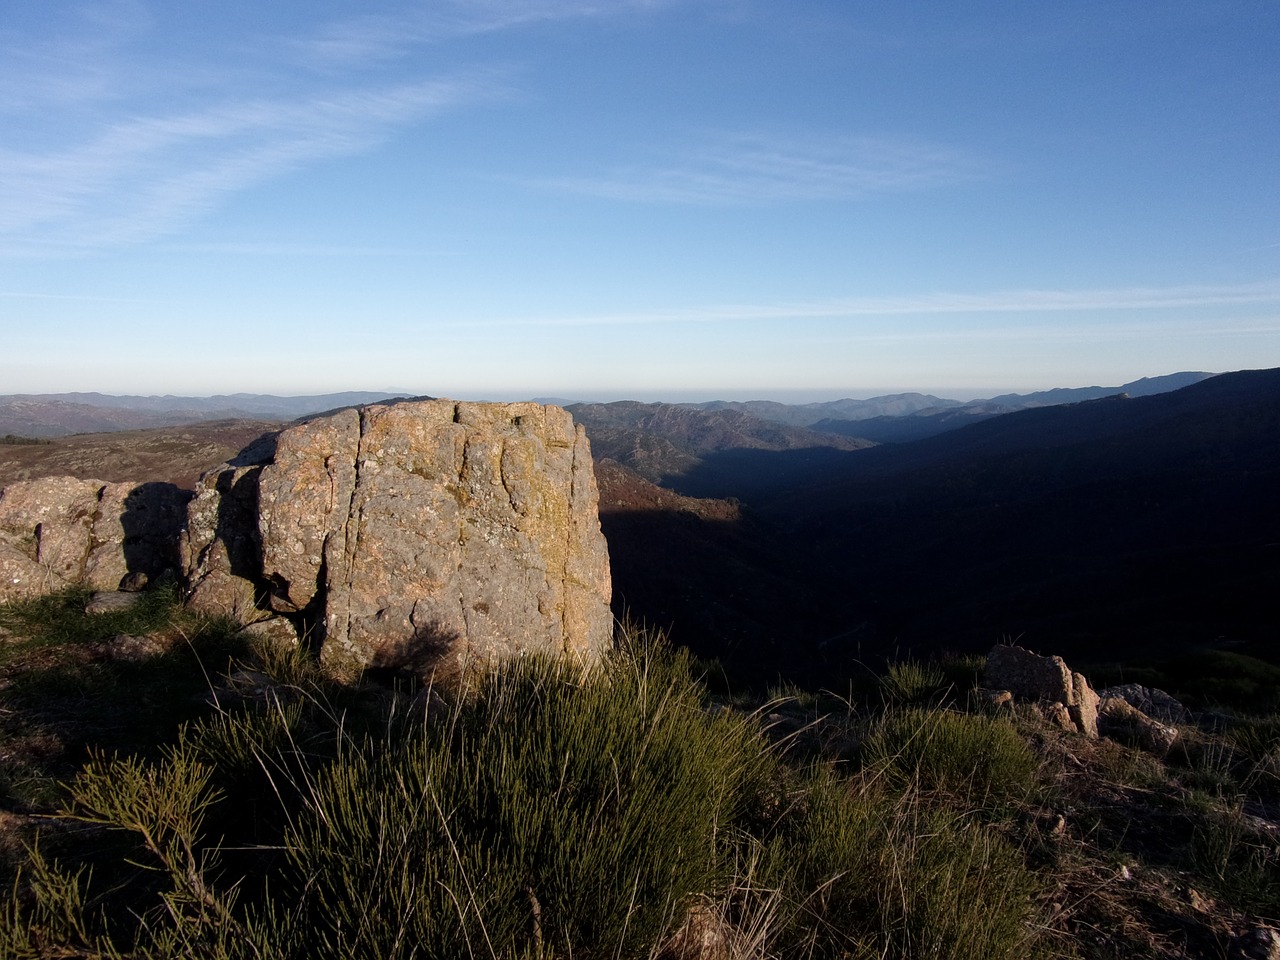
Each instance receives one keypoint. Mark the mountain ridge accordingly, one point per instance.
(62, 414)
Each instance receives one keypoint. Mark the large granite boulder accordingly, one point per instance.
(60, 531)
(1045, 680)
(417, 534)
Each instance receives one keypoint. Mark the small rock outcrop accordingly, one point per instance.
(1131, 713)
(1046, 680)
(415, 534)
(1155, 703)
(59, 531)
(1120, 720)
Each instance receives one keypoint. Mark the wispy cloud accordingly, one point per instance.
(374, 37)
(287, 249)
(66, 59)
(90, 161)
(85, 298)
(1026, 302)
(762, 168)
(140, 179)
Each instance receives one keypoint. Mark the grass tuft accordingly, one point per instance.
(976, 761)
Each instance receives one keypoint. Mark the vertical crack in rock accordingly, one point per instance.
(350, 526)
(467, 528)
(504, 474)
(96, 527)
(566, 584)
(467, 484)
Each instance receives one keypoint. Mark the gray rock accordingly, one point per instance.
(1119, 720)
(220, 547)
(111, 602)
(995, 699)
(1260, 943)
(21, 577)
(134, 582)
(418, 535)
(48, 527)
(1056, 714)
(274, 630)
(132, 649)
(1036, 679)
(59, 531)
(1155, 703)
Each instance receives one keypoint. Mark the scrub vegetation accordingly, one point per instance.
(223, 798)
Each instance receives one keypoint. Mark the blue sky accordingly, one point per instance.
(668, 199)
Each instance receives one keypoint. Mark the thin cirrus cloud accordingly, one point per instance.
(1022, 302)
(136, 179)
(376, 38)
(755, 168)
(141, 179)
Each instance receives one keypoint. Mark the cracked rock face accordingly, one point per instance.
(59, 531)
(1045, 680)
(416, 534)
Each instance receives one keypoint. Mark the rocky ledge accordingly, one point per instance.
(416, 535)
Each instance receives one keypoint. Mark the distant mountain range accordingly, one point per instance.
(1109, 527)
(927, 405)
(928, 421)
(62, 414)
(894, 418)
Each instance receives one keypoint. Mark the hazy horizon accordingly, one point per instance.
(814, 395)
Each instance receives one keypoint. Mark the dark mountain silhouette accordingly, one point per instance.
(1115, 527)
(931, 421)
(1143, 387)
(725, 582)
(904, 417)
(918, 426)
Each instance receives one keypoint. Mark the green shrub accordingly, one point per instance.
(64, 696)
(913, 682)
(582, 812)
(544, 812)
(978, 761)
(555, 811)
(869, 873)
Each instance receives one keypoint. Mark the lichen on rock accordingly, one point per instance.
(417, 534)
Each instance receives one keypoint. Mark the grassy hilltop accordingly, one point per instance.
(173, 788)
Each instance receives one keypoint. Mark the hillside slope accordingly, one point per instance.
(1117, 524)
